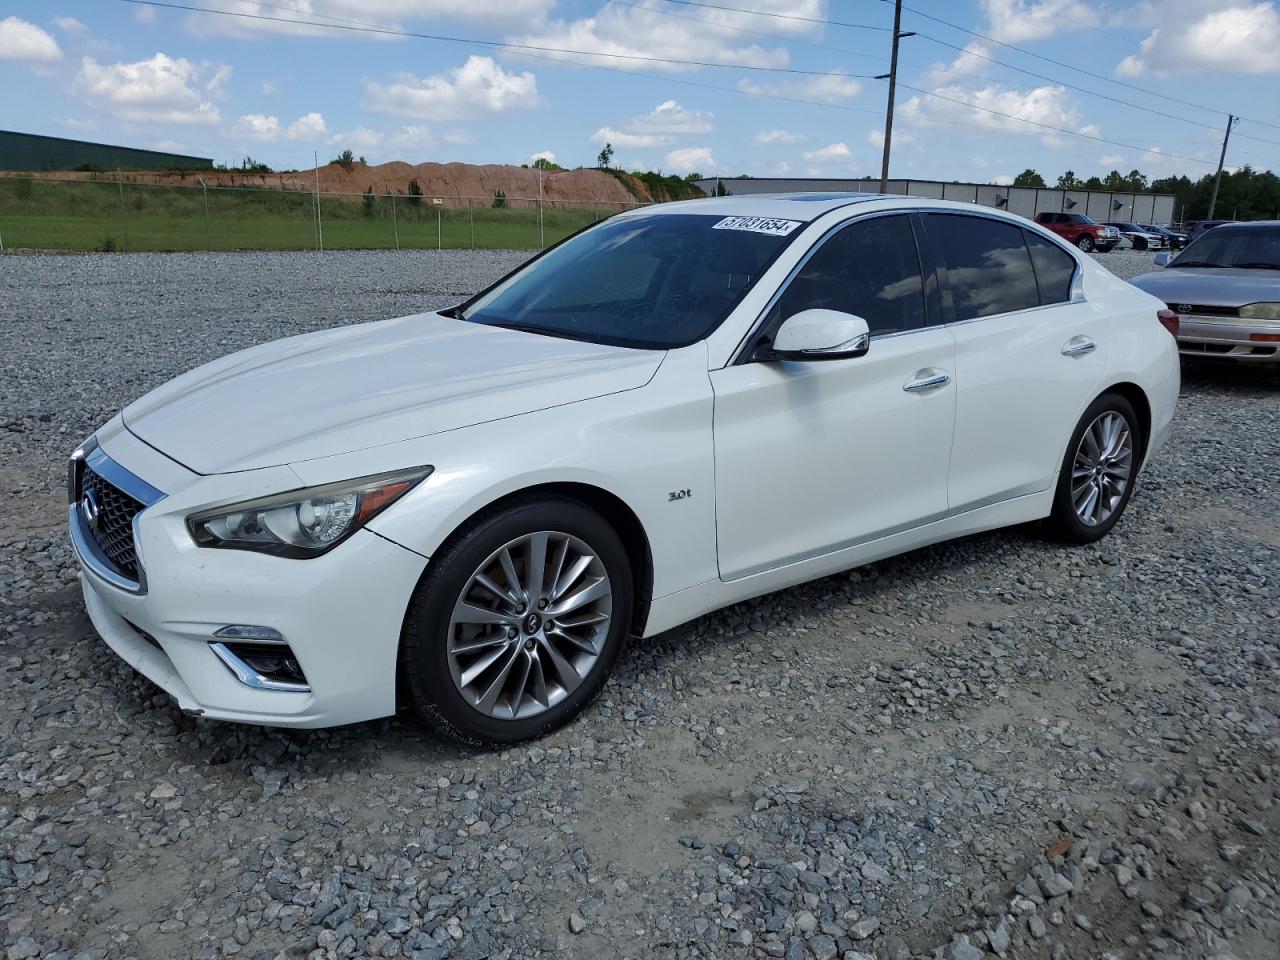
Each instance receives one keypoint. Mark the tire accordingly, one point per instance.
(1067, 522)
(1139, 243)
(1086, 243)
(438, 654)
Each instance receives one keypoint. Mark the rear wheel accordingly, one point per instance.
(1085, 243)
(518, 622)
(1097, 476)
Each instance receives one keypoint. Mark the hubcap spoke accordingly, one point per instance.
(509, 656)
(1101, 469)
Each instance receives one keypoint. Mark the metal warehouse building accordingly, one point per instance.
(29, 151)
(1101, 205)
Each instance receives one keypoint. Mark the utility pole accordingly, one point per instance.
(1232, 120)
(892, 77)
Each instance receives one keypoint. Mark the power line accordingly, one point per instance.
(1073, 67)
(354, 27)
(543, 53)
(1047, 126)
(781, 16)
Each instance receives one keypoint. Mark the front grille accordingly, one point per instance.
(1204, 310)
(113, 530)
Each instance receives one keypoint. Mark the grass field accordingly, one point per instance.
(106, 216)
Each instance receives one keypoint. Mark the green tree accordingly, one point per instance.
(1093, 183)
(499, 198)
(1068, 181)
(1136, 181)
(346, 160)
(367, 200)
(606, 156)
(1029, 178)
(415, 193)
(542, 163)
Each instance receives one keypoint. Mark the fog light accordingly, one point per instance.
(263, 666)
(1265, 337)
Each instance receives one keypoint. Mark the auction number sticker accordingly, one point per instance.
(769, 225)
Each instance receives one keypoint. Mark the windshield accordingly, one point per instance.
(654, 281)
(1227, 247)
(1081, 218)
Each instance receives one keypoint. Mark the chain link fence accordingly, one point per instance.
(120, 215)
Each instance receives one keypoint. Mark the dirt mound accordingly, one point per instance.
(452, 182)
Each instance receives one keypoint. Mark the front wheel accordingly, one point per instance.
(518, 621)
(1097, 476)
(1086, 244)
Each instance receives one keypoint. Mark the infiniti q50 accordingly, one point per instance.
(682, 407)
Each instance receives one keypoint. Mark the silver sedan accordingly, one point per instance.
(1225, 288)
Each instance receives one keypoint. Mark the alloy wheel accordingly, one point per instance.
(530, 625)
(1102, 467)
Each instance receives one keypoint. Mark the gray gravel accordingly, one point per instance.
(994, 746)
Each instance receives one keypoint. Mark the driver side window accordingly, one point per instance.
(871, 269)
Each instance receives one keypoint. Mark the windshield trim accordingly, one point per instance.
(459, 312)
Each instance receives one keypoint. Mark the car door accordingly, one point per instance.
(815, 456)
(1028, 353)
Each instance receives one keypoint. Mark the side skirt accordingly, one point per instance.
(692, 602)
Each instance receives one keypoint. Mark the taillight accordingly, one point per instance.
(1169, 320)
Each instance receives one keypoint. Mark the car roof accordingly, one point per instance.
(1236, 226)
(807, 207)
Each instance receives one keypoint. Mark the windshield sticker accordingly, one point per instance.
(769, 225)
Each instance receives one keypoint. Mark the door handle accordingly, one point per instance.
(926, 383)
(1078, 346)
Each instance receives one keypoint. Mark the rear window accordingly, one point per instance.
(987, 264)
(654, 281)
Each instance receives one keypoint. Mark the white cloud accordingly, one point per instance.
(256, 126)
(215, 84)
(651, 28)
(831, 153)
(1110, 159)
(876, 138)
(690, 160)
(144, 14)
(1212, 36)
(1002, 180)
(269, 88)
(781, 167)
(360, 140)
(777, 136)
(657, 128)
(69, 25)
(828, 88)
(161, 89)
(392, 14)
(1050, 105)
(20, 40)
(546, 155)
(1016, 21)
(478, 86)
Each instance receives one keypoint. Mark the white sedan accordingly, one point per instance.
(677, 409)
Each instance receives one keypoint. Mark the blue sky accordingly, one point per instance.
(228, 87)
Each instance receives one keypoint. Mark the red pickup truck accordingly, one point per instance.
(1081, 231)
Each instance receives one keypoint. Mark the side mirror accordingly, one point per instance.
(822, 335)
(1162, 259)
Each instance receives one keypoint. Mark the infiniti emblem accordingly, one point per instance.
(532, 623)
(89, 509)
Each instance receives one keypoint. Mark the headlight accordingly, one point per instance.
(303, 523)
(1260, 311)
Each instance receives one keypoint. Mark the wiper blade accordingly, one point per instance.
(1192, 263)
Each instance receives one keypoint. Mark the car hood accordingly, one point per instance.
(335, 391)
(1212, 286)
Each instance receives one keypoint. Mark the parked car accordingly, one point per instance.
(1225, 288)
(1174, 240)
(1080, 231)
(677, 409)
(1137, 238)
(1197, 227)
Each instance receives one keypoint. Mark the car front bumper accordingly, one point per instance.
(1227, 339)
(340, 615)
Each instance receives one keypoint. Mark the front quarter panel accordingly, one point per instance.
(650, 447)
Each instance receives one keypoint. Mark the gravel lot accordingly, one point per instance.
(996, 745)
